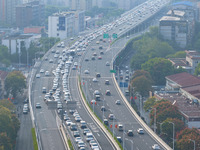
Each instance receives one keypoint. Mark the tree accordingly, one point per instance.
(4, 55)
(8, 104)
(15, 83)
(137, 60)
(141, 73)
(159, 68)
(197, 70)
(5, 143)
(179, 54)
(164, 110)
(184, 138)
(142, 85)
(9, 124)
(149, 103)
(167, 127)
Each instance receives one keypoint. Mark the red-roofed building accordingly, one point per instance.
(181, 80)
(35, 30)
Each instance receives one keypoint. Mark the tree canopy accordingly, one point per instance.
(148, 47)
(164, 110)
(184, 138)
(15, 83)
(4, 55)
(9, 125)
(197, 70)
(149, 103)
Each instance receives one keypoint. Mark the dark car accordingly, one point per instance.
(108, 92)
(105, 121)
(98, 75)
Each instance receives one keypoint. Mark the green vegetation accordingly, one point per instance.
(180, 54)
(4, 55)
(15, 83)
(184, 137)
(70, 144)
(197, 70)
(149, 103)
(35, 144)
(9, 125)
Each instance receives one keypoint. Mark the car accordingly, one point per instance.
(50, 60)
(41, 70)
(94, 54)
(107, 63)
(26, 101)
(81, 144)
(94, 146)
(68, 122)
(108, 93)
(71, 38)
(119, 138)
(47, 73)
(130, 133)
(94, 80)
(93, 58)
(97, 97)
(76, 134)
(71, 111)
(107, 82)
(156, 147)
(92, 49)
(140, 131)
(101, 52)
(37, 105)
(44, 90)
(85, 131)
(120, 127)
(117, 102)
(38, 75)
(77, 139)
(78, 118)
(111, 116)
(86, 72)
(103, 108)
(73, 127)
(98, 75)
(86, 59)
(97, 42)
(92, 142)
(105, 121)
(96, 92)
(100, 47)
(99, 57)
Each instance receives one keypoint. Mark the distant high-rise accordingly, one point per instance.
(7, 12)
(31, 13)
(79, 4)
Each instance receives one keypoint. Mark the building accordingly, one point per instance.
(8, 12)
(183, 91)
(189, 63)
(34, 30)
(30, 14)
(61, 25)
(16, 42)
(66, 24)
(79, 4)
(175, 29)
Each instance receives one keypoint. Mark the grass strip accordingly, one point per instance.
(70, 144)
(35, 144)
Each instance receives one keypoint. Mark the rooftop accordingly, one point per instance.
(176, 13)
(185, 106)
(178, 62)
(170, 18)
(193, 90)
(184, 79)
(22, 36)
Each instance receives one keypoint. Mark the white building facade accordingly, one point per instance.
(61, 25)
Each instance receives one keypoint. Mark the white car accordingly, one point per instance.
(38, 75)
(41, 70)
(140, 131)
(86, 72)
(156, 147)
(47, 73)
(94, 80)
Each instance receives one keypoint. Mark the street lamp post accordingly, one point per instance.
(193, 142)
(161, 127)
(173, 133)
(154, 120)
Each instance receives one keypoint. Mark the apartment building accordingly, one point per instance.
(8, 12)
(30, 14)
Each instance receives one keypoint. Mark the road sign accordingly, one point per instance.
(112, 71)
(123, 84)
(105, 36)
(114, 35)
